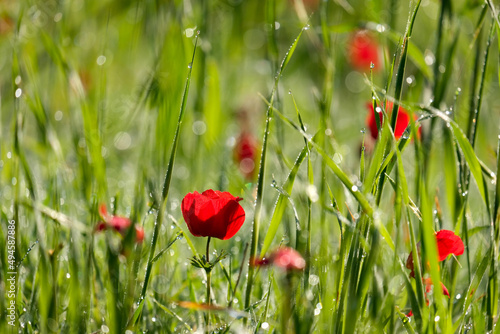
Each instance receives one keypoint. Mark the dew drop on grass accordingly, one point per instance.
(313, 280)
(354, 188)
(378, 109)
(265, 326)
(101, 60)
(307, 27)
(458, 296)
(19, 92)
(190, 65)
(436, 319)
(104, 329)
(18, 80)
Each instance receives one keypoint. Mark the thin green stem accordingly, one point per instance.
(209, 276)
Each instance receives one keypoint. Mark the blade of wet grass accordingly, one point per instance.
(166, 184)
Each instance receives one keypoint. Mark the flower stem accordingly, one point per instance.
(208, 286)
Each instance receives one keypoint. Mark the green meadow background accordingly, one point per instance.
(134, 104)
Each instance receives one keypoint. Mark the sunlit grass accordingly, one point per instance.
(135, 104)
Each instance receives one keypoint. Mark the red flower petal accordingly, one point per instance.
(119, 223)
(363, 50)
(448, 243)
(287, 258)
(103, 211)
(139, 233)
(212, 214)
(402, 122)
(245, 154)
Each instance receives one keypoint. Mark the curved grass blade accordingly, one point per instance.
(476, 280)
(281, 202)
(166, 184)
(260, 181)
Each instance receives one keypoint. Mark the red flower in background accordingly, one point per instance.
(447, 243)
(402, 122)
(119, 224)
(245, 154)
(363, 51)
(286, 258)
(213, 213)
(428, 287)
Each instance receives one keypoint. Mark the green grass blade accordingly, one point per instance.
(281, 203)
(168, 177)
(262, 164)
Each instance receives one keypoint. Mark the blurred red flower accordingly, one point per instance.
(245, 154)
(363, 51)
(285, 257)
(213, 213)
(447, 243)
(119, 224)
(428, 287)
(402, 122)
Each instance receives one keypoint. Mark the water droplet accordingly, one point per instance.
(68, 275)
(199, 128)
(189, 32)
(307, 27)
(372, 65)
(313, 280)
(354, 189)
(265, 326)
(101, 60)
(58, 115)
(380, 28)
(378, 109)
(58, 17)
(190, 65)
(18, 80)
(19, 92)
(458, 296)
(436, 319)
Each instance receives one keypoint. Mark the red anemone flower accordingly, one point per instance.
(213, 213)
(363, 51)
(245, 154)
(286, 258)
(402, 121)
(447, 243)
(119, 224)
